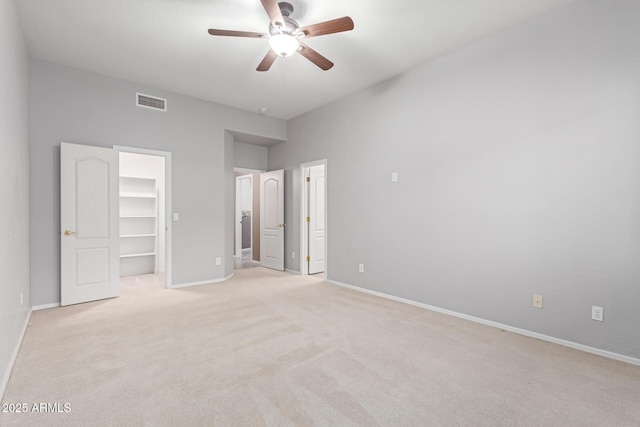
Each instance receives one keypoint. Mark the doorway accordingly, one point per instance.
(246, 251)
(145, 236)
(313, 231)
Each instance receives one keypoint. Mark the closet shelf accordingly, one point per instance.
(138, 255)
(138, 225)
(138, 195)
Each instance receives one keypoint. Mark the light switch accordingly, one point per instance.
(394, 176)
(176, 216)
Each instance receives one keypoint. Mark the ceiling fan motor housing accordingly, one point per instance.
(285, 8)
(290, 28)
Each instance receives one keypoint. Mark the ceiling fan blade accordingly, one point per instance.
(232, 33)
(315, 57)
(328, 27)
(268, 60)
(273, 10)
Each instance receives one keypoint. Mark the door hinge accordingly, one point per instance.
(308, 259)
(308, 179)
(308, 219)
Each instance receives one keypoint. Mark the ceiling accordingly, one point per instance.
(165, 44)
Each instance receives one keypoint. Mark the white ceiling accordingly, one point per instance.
(164, 43)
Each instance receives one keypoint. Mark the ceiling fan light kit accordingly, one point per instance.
(284, 44)
(285, 34)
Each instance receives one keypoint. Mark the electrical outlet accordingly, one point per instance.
(597, 313)
(537, 301)
(361, 268)
(293, 255)
(218, 261)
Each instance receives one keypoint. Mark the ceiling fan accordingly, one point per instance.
(284, 34)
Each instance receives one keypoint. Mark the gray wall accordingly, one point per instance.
(518, 161)
(14, 186)
(250, 156)
(69, 105)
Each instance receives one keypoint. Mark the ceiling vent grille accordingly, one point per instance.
(153, 102)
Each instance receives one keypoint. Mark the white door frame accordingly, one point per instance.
(167, 207)
(304, 202)
(236, 213)
(238, 227)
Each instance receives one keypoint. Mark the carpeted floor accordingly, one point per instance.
(269, 348)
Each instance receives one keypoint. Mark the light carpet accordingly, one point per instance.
(274, 349)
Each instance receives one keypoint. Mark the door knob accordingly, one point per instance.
(68, 232)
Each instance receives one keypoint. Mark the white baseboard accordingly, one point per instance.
(45, 306)
(288, 270)
(7, 374)
(571, 344)
(203, 282)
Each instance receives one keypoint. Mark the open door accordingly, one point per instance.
(89, 223)
(272, 220)
(316, 220)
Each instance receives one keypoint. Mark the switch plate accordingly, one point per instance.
(176, 216)
(218, 261)
(597, 313)
(293, 255)
(361, 268)
(537, 301)
(21, 299)
(394, 176)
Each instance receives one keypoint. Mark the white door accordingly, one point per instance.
(316, 219)
(272, 220)
(89, 223)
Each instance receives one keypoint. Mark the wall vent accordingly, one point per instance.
(153, 102)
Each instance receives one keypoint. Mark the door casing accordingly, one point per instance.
(238, 227)
(167, 208)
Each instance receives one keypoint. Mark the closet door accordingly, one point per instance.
(88, 223)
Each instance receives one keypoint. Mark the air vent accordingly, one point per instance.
(153, 102)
